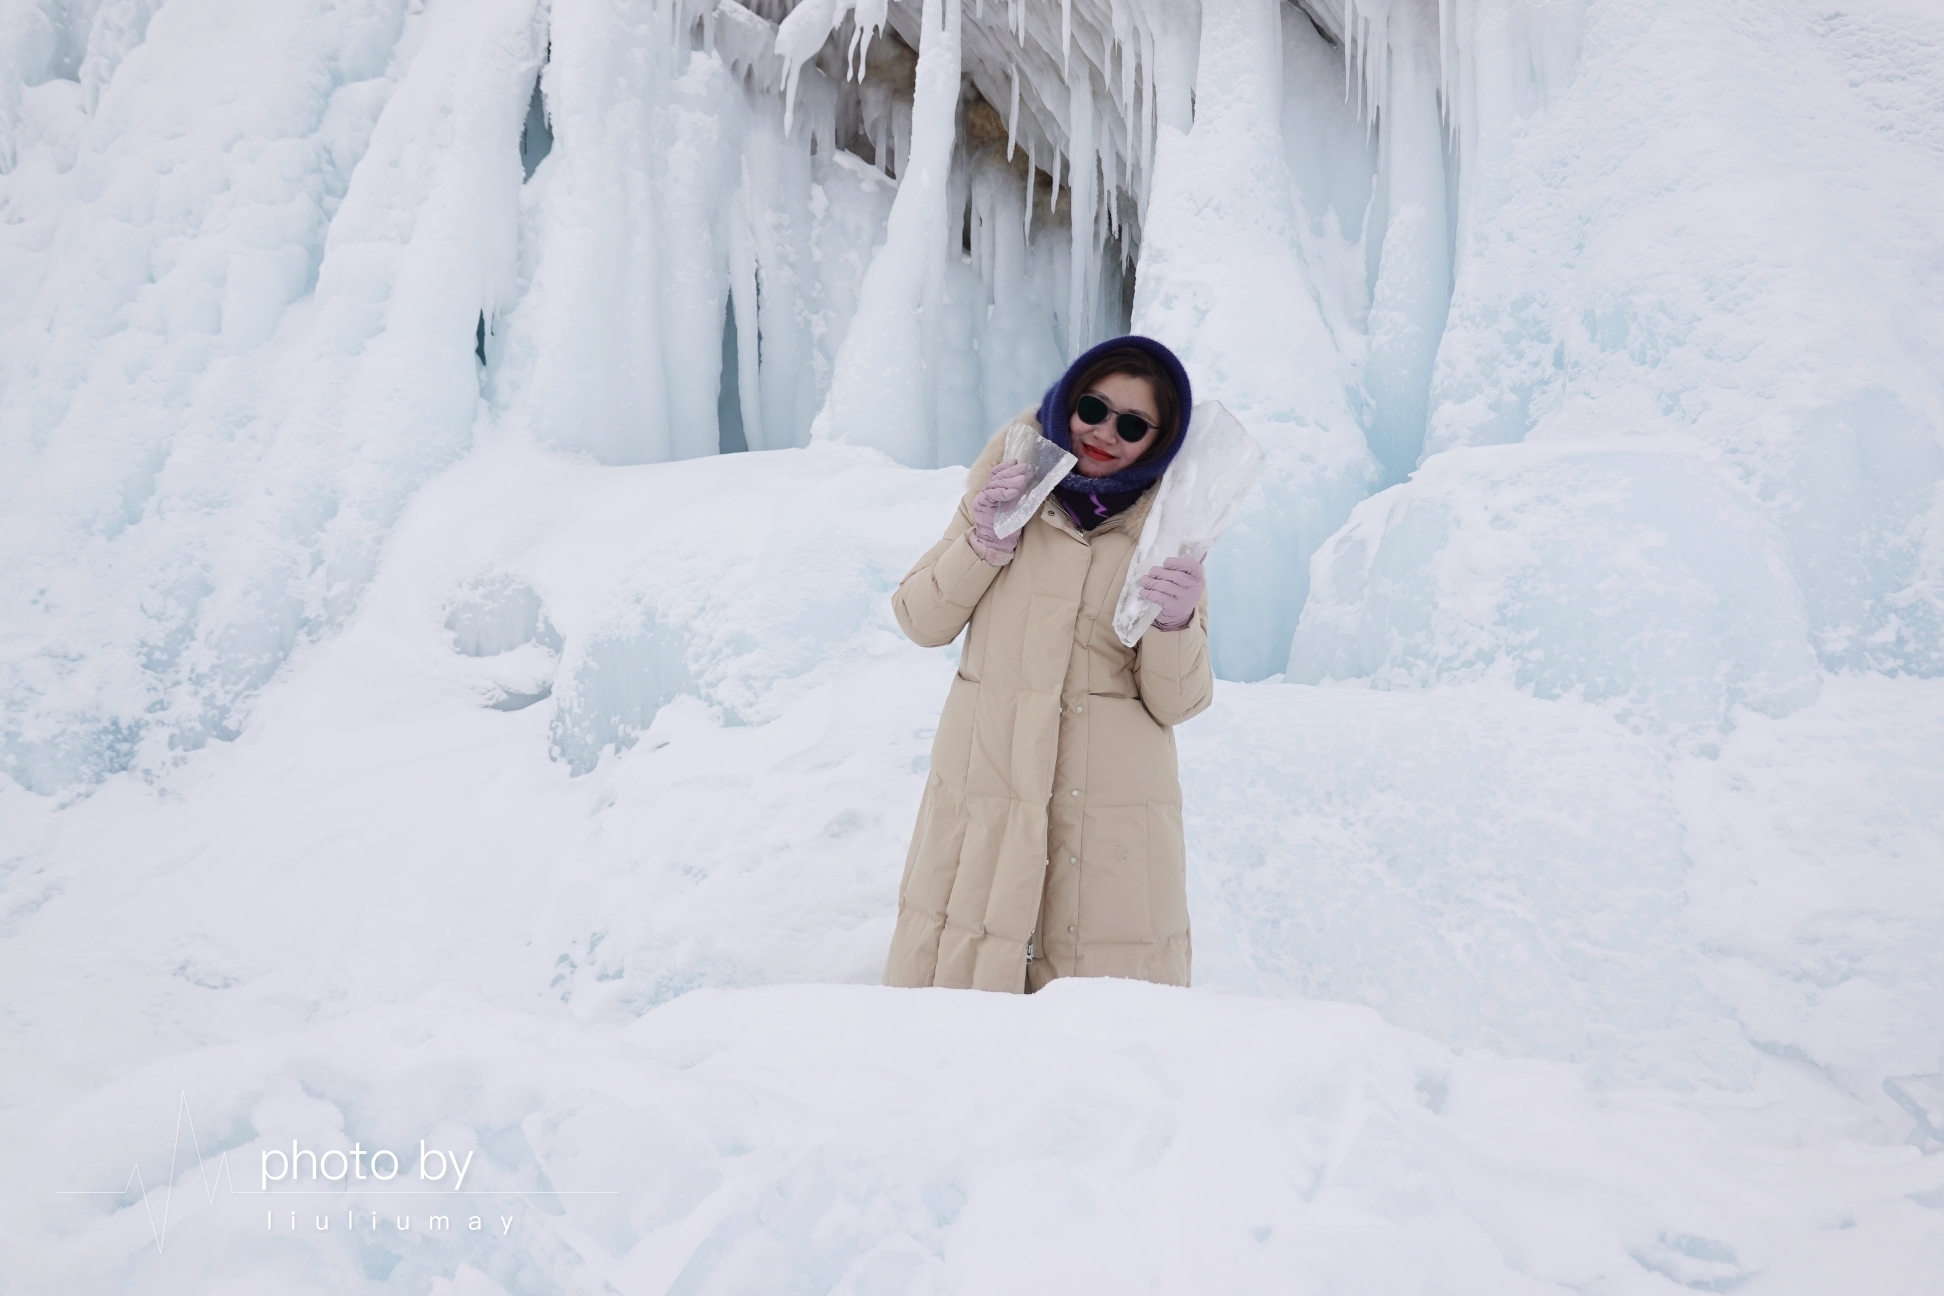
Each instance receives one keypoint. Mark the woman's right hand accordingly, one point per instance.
(1005, 484)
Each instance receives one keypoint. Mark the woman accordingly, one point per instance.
(1049, 840)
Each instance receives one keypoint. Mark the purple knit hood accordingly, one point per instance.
(1058, 404)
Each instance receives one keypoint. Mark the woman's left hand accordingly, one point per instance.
(1176, 585)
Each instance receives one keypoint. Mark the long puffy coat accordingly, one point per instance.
(1053, 809)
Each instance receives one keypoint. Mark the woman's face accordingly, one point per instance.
(1100, 449)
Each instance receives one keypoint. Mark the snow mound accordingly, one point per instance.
(1685, 244)
(1477, 568)
(1531, 904)
(1130, 1138)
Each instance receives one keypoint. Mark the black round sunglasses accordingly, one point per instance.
(1093, 411)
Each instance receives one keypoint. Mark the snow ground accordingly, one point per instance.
(1617, 1008)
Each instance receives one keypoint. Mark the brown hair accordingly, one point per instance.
(1136, 363)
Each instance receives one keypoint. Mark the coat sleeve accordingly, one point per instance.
(935, 599)
(1172, 668)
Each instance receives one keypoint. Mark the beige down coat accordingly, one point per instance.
(1053, 809)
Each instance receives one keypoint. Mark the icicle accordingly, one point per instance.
(1384, 65)
(871, 21)
(799, 37)
(1447, 56)
(1377, 54)
(901, 129)
(1150, 115)
(906, 277)
(1100, 230)
(1032, 179)
(1126, 100)
(1082, 212)
(745, 307)
(789, 94)
(1066, 39)
(1371, 42)
(1053, 197)
(1111, 185)
(1097, 185)
(1363, 70)
(976, 222)
(1368, 98)
(1464, 75)
(1349, 47)
(1012, 115)
(946, 31)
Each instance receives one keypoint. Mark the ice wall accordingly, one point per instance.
(904, 271)
(243, 276)
(259, 280)
(239, 298)
(1224, 276)
(1477, 569)
(1680, 278)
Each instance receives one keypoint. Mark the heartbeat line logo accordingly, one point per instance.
(159, 1229)
(213, 1180)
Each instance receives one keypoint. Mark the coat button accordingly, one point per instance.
(1072, 859)
(1078, 710)
(1069, 929)
(1075, 792)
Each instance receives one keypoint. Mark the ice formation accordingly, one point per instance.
(242, 329)
(1047, 466)
(1210, 479)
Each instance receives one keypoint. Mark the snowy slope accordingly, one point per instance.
(414, 728)
(1129, 1139)
(389, 911)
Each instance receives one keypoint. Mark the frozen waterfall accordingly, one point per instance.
(257, 287)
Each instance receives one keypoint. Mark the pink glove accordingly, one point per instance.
(1005, 484)
(1176, 585)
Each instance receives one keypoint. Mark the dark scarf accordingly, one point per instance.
(1092, 500)
(1089, 506)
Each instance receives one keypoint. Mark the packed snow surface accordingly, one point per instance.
(420, 731)
(1634, 1005)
